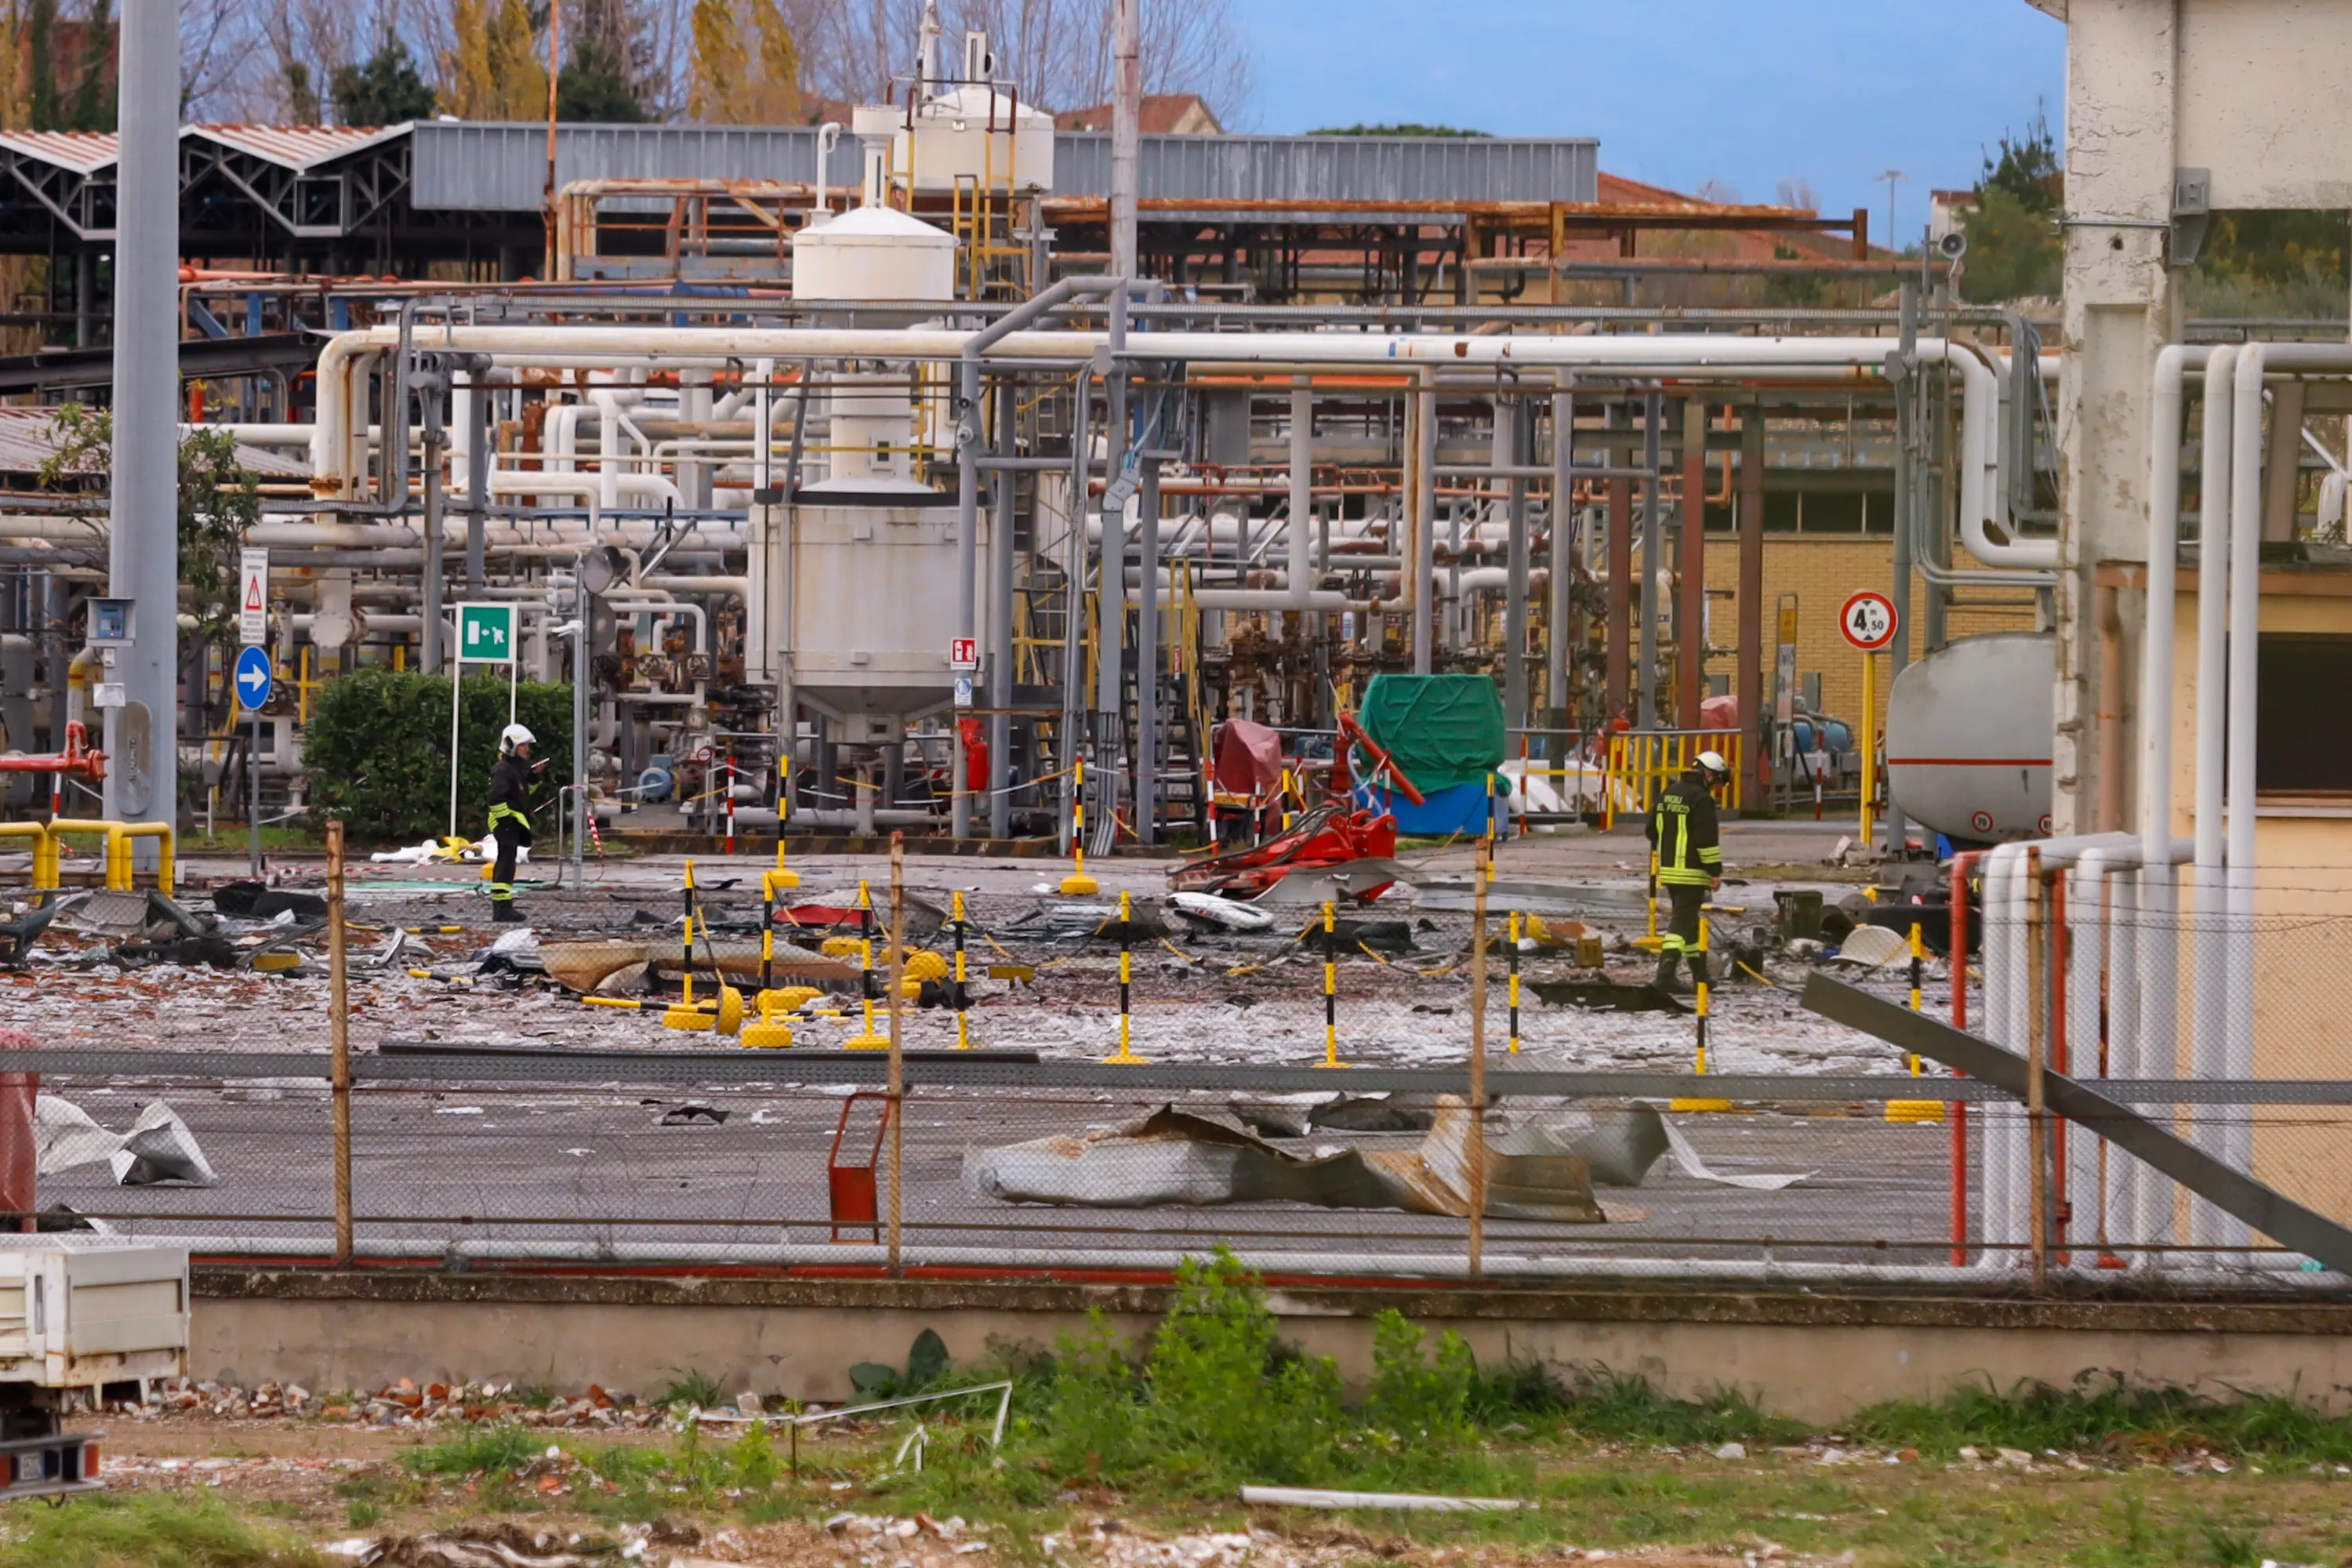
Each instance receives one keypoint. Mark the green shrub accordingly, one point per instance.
(377, 750)
(1421, 1400)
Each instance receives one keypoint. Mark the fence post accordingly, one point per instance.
(339, 1040)
(1474, 1155)
(898, 1052)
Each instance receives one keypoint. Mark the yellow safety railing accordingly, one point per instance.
(1644, 761)
(48, 852)
(45, 868)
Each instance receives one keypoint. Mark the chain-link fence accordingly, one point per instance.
(1112, 1084)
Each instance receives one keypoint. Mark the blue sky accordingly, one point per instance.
(1748, 92)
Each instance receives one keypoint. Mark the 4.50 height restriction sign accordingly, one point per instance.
(1868, 620)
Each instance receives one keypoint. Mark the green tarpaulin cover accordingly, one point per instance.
(1443, 729)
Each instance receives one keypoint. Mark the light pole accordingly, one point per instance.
(1891, 177)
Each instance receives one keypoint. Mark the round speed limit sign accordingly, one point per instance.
(1868, 621)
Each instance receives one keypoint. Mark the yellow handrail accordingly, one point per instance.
(49, 858)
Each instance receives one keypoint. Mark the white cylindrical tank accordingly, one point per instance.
(1969, 730)
(978, 133)
(872, 253)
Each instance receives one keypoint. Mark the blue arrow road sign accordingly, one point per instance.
(253, 676)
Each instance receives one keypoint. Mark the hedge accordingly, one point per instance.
(377, 751)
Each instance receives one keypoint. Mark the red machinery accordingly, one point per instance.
(1327, 835)
(77, 758)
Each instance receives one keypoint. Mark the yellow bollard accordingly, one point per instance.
(781, 877)
(1330, 988)
(686, 1015)
(1077, 884)
(870, 1040)
(1688, 1104)
(770, 1033)
(1916, 1110)
(1126, 1056)
(963, 1034)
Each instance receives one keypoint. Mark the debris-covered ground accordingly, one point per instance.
(476, 1477)
(237, 965)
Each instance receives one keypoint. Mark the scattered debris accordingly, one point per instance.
(1314, 1497)
(1176, 1158)
(158, 1148)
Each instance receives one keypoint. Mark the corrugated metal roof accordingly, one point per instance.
(297, 146)
(28, 437)
(82, 151)
(1337, 168)
(479, 167)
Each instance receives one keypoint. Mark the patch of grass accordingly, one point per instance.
(2108, 1414)
(360, 1515)
(1624, 1407)
(485, 1451)
(145, 1531)
(690, 1386)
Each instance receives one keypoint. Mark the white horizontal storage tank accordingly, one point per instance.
(1970, 732)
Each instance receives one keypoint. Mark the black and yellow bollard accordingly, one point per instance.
(1331, 987)
(1077, 884)
(1126, 1055)
(963, 1036)
(1699, 1002)
(686, 1015)
(770, 1033)
(871, 1039)
(781, 875)
(1920, 1110)
(1514, 981)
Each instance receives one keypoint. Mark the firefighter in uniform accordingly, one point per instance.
(510, 782)
(1682, 827)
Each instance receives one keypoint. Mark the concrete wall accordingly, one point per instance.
(1807, 1354)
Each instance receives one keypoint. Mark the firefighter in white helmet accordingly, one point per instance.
(510, 782)
(1682, 825)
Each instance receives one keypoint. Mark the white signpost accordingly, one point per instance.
(485, 635)
(253, 597)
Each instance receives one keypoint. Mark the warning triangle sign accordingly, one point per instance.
(253, 594)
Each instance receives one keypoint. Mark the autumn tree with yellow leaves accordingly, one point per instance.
(493, 70)
(746, 69)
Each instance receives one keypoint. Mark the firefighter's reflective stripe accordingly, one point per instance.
(504, 813)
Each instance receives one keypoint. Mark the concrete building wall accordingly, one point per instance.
(1823, 572)
(1816, 1355)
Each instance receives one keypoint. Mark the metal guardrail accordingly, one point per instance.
(977, 1072)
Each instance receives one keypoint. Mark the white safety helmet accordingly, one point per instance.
(1712, 765)
(515, 735)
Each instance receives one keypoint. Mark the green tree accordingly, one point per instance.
(384, 91)
(2027, 168)
(377, 748)
(218, 500)
(301, 96)
(2014, 250)
(594, 88)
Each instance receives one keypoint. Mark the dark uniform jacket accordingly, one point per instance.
(510, 797)
(1682, 825)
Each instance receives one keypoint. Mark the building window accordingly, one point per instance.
(2297, 751)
